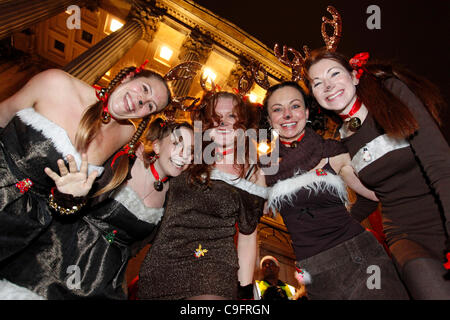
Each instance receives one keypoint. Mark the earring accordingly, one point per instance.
(106, 117)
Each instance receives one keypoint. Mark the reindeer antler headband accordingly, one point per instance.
(254, 72)
(331, 43)
(250, 75)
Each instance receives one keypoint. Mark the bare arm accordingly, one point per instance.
(247, 257)
(39, 88)
(342, 164)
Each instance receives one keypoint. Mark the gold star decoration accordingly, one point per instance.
(199, 252)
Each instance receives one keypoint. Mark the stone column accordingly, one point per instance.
(196, 47)
(18, 15)
(92, 64)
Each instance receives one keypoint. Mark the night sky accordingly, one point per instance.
(413, 33)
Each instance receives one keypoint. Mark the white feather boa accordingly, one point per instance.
(240, 183)
(11, 291)
(130, 200)
(285, 190)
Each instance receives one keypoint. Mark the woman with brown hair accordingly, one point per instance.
(86, 255)
(194, 255)
(55, 115)
(333, 251)
(391, 128)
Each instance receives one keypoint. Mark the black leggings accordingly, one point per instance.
(424, 279)
(421, 271)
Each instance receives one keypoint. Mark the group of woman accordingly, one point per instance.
(68, 229)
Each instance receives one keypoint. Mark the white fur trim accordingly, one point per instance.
(11, 291)
(240, 183)
(285, 190)
(376, 149)
(304, 278)
(130, 200)
(56, 134)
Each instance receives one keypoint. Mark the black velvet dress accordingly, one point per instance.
(47, 256)
(194, 252)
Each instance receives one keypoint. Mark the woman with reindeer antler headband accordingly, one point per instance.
(42, 212)
(194, 255)
(390, 126)
(331, 248)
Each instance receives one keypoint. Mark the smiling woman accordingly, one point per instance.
(309, 191)
(53, 116)
(194, 250)
(391, 129)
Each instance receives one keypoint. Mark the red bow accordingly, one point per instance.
(24, 185)
(101, 97)
(358, 61)
(141, 67)
(447, 264)
(126, 150)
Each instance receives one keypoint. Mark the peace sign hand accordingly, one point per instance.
(71, 181)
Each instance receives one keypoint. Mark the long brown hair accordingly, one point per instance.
(91, 122)
(246, 118)
(158, 130)
(388, 111)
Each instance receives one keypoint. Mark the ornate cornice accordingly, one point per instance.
(242, 44)
(148, 15)
(198, 42)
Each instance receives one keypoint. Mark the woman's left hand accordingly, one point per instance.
(71, 181)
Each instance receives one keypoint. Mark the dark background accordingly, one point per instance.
(413, 33)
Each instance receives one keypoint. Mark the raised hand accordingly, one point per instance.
(71, 181)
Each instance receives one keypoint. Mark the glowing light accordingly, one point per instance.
(209, 75)
(252, 97)
(115, 25)
(165, 53)
(263, 148)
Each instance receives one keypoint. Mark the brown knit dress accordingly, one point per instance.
(194, 252)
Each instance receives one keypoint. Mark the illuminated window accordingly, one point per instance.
(209, 75)
(115, 25)
(165, 53)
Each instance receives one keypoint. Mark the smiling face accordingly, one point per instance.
(287, 113)
(223, 132)
(138, 97)
(269, 268)
(175, 151)
(332, 85)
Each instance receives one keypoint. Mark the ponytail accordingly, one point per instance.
(91, 122)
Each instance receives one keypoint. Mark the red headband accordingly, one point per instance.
(141, 67)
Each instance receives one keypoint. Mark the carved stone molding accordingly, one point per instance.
(148, 14)
(197, 44)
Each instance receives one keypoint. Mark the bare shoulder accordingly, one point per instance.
(59, 89)
(55, 79)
